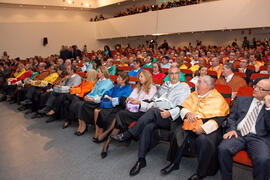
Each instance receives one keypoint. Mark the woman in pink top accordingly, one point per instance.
(144, 90)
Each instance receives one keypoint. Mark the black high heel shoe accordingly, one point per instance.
(65, 125)
(104, 153)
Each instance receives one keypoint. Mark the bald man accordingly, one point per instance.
(249, 129)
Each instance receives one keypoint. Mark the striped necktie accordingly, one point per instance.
(250, 120)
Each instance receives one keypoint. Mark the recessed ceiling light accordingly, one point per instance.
(69, 1)
(86, 5)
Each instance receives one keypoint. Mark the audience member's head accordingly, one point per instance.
(91, 75)
(261, 89)
(205, 84)
(227, 69)
(244, 63)
(156, 68)
(67, 62)
(144, 81)
(174, 74)
(137, 64)
(215, 61)
(103, 73)
(123, 78)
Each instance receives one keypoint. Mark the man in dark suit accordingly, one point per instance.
(249, 129)
(243, 68)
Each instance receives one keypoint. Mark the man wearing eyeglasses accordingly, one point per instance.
(249, 130)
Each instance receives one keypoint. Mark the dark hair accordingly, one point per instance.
(138, 61)
(167, 58)
(74, 69)
(63, 69)
(229, 66)
(159, 66)
(54, 67)
(98, 62)
(124, 76)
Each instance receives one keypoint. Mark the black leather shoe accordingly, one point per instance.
(36, 115)
(136, 168)
(22, 108)
(12, 102)
(119, 137)
(168, 169)
(51, 119)
(26, 102)
(195, 177)
(28, 111)
(43, 111)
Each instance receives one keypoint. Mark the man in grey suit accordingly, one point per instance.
(249, 129)
(59, 91)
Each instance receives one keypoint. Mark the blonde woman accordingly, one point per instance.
(92, 100)
(144, 90)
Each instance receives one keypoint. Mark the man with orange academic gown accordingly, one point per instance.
(203, 112)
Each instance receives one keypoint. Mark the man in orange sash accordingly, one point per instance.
(203, 113)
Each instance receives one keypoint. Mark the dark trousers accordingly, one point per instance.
(206, 146)
(144, 128)
(31, 92)
(258, 151)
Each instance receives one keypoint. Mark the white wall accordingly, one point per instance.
(22, 30)
(216, 15)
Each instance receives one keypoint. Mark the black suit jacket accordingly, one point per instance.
(239, 111)
(248, 74)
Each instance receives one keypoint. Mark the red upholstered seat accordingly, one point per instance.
(225, 91)
(242, 158)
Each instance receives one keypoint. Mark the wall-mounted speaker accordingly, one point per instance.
(45, 41)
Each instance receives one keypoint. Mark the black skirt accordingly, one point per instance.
(124, 118)
(106, 116)
(86, 112)
(72, 107)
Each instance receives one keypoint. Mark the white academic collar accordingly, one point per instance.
(228, 78)
(137, 70)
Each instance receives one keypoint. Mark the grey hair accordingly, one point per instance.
(173, 67)
(209, 80)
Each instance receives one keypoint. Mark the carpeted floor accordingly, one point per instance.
(34, 150)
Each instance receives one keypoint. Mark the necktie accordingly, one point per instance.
(250, 120)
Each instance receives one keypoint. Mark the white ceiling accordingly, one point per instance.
(65, 3)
